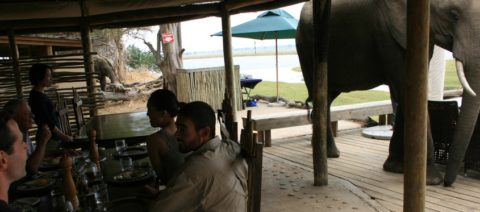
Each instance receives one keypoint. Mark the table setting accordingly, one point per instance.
(120, 173)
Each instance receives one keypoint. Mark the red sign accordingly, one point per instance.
(167, 37)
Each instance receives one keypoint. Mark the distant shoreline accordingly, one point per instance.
(240, 54)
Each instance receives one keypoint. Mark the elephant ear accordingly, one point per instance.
(395, 13)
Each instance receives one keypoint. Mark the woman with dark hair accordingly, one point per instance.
(162, 146)
(43, 109)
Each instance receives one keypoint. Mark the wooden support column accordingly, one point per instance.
(415, 162)
(321, 14)
(89, 68)
(230, 90)
(14, 56)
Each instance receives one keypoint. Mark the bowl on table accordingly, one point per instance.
(134, 152)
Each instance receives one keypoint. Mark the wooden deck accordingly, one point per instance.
(361, 161)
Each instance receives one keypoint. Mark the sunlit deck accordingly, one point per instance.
(361, 163)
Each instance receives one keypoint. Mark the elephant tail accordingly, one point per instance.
(307, 106)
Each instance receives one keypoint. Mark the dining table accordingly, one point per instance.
(112, 194)
(133, 127)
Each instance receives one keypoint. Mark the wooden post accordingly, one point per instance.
(415, 162)
(229, 84)
(89, 68)
(321, 14)
(276, 61)
(16, 69)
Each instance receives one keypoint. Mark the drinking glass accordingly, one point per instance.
(119, 145)
(126, 163)
(101, 196)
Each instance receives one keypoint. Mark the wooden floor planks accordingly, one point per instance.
(361, 163)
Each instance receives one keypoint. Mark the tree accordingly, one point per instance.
(168, 55)
(140, 59)
(108, 43)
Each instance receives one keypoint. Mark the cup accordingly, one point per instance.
(126, 163)
(120, 145)
(101, 196)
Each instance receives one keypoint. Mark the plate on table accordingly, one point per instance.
(134, 152)
(46, 174)
(35, 185)
(131, 176)
(128, 204)
(31, 201)
(50, 163)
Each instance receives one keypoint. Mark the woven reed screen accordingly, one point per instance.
(68, 73)
(206, 84)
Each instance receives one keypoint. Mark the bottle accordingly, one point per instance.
(68, 183)
(94, 156)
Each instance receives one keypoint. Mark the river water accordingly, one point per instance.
(259, 67)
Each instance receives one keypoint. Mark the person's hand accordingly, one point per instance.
(43, 135)
(68, 138)
(150, 191)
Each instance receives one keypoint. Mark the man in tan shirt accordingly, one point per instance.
(214, 175)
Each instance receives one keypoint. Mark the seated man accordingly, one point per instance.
(21, 113)
(214, 175)
(13, 156)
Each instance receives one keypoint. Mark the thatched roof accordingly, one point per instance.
(28, 16)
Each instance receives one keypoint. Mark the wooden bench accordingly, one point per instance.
(263, 124)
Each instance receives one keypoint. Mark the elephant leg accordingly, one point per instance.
(464, 129)
(332, 150)
(394, 162)
(103, 82)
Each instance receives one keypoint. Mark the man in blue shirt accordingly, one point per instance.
(19, 110)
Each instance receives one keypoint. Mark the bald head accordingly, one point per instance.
(21, 113)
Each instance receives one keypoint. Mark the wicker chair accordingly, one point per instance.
(443, 118)
(77, 109)
(62, 112)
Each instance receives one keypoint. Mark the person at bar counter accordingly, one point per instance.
(162, 146)
(213, 177)
(40, 76)
(13, 157)
(21, 113)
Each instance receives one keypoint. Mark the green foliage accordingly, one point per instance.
(451, 79)
(297, 69)
(140, 59)
(298, 92)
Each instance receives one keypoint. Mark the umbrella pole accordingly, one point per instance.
(276, 60)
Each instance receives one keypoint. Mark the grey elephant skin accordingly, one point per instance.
(367, 48)
(105, 69)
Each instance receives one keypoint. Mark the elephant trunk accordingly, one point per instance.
(466, 122)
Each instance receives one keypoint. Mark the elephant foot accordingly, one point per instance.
(449, 180)
(392, 165)
(433, 175)
(333, 152)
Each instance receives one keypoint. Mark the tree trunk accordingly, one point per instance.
(172, 55)
(119, 64)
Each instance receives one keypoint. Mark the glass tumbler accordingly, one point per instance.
(120, 145)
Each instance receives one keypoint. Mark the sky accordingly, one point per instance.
(196, 33)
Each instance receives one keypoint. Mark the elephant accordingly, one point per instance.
(367, 48)
(104, 68)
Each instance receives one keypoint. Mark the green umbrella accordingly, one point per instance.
(272, 24)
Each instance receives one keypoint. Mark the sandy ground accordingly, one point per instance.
(131, 106)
